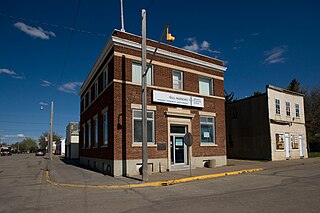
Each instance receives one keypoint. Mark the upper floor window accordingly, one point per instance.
(277, 102)
(205, 86)
(96, 89)
(297, 110)
(136, 74)
(82, 104)
(105, 77)
(207, 129)
(177, 80)
(287, 108)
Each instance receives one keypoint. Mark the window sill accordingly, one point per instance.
(279, 150)
(95, 147)
(208, 144)
(140, 145)
(104, 146)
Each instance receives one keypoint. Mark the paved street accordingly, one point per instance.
(288, 186)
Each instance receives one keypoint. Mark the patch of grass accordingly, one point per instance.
(314, 154)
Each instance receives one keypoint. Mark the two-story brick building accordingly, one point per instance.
(185, 94)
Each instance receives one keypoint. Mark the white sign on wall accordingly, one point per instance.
(178, 99)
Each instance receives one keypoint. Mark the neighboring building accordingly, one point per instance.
(72, 140)
(60, 147)
(268, 126)
(185, 94)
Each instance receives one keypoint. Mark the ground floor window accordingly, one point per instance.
(105, 128)
(280, 141)
(137, 126)
(207, 129)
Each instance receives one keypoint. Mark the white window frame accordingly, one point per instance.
(277, 105)
(213, 124)
(210, 92)
(297, 107)
(96, 131)
(105, 131)
(137, 79)
(288, 111)
(89, 133)
(180, 83)
(148, 119)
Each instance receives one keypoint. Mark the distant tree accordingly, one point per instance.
(229, 97)
(294, 86)
(44, 139)
(28, 145)
(312, 114)
(257, 93)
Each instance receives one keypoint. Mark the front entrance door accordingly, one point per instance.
(177, 146)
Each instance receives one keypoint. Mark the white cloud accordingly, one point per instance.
(198, 47)
(34, 32)
(8, 72)
(15, 136)
(11, 73)
(46, 83)
(193, 46)
(255, 34)
(275, 55)
(71, 87)
(43, 103)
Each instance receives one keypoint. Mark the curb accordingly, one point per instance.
(151, 184)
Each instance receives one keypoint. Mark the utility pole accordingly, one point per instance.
(51, 132)
(144, 97)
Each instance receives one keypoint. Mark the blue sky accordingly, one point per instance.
(43, 59)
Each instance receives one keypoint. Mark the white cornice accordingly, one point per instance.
(135, 45)
(127, 43)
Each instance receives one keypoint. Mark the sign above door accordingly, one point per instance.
(177, 99)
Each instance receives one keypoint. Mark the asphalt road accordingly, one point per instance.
(23, 188)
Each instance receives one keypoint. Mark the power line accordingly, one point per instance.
(73, 29)
(69, 44)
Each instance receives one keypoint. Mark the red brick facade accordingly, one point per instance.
(122, 93)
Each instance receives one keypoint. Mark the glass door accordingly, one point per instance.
(177, 146)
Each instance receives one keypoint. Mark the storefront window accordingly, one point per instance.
(280, 141)
(137, 126)
(207, 129)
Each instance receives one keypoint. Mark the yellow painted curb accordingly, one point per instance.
(158, 183)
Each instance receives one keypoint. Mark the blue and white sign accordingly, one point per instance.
(177, 99)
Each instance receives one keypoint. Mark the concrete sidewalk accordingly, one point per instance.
(69, 173)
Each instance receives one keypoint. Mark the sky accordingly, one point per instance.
(47, 49)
